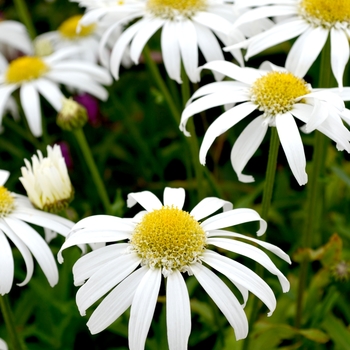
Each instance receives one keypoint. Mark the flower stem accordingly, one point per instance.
(101, 189)
(17, 343)
(24, 16)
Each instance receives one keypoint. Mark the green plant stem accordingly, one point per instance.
(17, 343)
(101, 189)
(265, 206)
(24, 16)
(315, 189)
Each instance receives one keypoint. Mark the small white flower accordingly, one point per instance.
(42, 75)
(15, 212)
(280, 96)
(164, 239)
(312, 21)
(46, 180)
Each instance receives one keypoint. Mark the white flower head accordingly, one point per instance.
(165, 239)
(281, 96)
(16, 212)
(309, 20)
(46, 180)
(35, 75)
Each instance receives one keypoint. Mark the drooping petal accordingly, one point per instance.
(178, 312)
(5, 92)
(51, 92)
(317, 117)
(105, 222)
(4, 175)
(208, 206)
(174, 197)
(7, 265)
(145, 198)
(223, 298)
(142, 308)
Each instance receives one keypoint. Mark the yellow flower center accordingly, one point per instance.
(326, 13)
(172, 9)
(168, 238)
(68, 28)
(276, 92)
(25, 68)
(6, 201)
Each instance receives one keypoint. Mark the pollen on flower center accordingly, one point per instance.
(170, 9)
(68, 28)
(276, 92)
(327, 13)
(6, 201)
(25, 68)
(168, 238)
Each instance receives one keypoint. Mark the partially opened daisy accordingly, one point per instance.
(281, 96)
(165, 240)
(16, 213)
(312, 21)
(186, 26)
(42, 75)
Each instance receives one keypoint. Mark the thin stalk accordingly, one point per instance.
(101, 189)
(24, 16)
(17, 343)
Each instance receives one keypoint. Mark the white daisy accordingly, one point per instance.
(281, 96)
(15, 213)
(186, 26)
(312, 21)
(34, 75)
(46, 180)
(164, 239)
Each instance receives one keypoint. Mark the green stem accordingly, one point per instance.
(24, 16)
(266, 203)
(17, 343)
(79, 135)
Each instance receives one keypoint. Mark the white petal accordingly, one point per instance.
(174, 197)
(142, 309)
(226, 121)
(4, 175)
(51, 92)
(234, 217)
(62, 54)
(213, 21)
(208, 206)
(116, 302)
(317, 117)
(103, 280)
(244, 276)
(7, 265)
(145, 198)
(5, 92)
(178, 312)
(106, 222)
(171, 51)
(305, 50)
(339, 53)
(223, 298)
(31, 106)
(253, 253)
(246, 145)
(292, 145)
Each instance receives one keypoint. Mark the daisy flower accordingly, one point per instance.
(42, 75)
(15, 213)
(281, 96)
(312, 20)
(165, 240)
(46, 180)
(186, 26)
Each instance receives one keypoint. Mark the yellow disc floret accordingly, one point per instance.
(25, 68)
(69, 28)
(168, 238)
(276, 92)
(326, 13)
(171, 9)
(6, 201)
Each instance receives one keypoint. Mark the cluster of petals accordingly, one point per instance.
(14, 226)
(321, 109)
(117, 269)
(77, 74)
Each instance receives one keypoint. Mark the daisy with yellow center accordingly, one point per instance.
(16, 213)
(312, 21)
(186, 25)
(281, 96)
(166, 240)
(42, 75)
